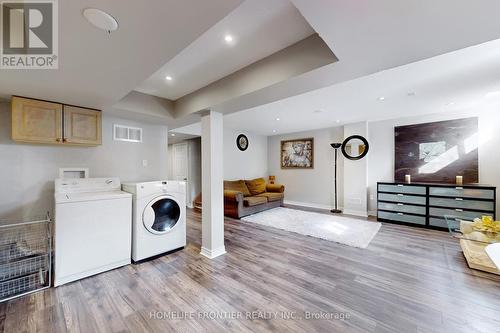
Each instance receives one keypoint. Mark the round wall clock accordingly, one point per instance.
(242, 142)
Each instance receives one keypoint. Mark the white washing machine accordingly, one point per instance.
(93, 227)
(158, 218)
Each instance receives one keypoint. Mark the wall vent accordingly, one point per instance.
(127, 133)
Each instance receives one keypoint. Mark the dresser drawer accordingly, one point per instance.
(462, 203)
(405, 189)
(460, 192)
(456, 212)
(435, 222)
(399, 207)
(404, 198)
(401, 217)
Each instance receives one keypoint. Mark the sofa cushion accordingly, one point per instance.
(256, 186)
(254, 201)
(272, 196)
(237, 185)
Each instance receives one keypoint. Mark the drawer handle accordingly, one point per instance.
(459, 199)
(459, 210)
(400, 185)
(400, 204)
(400, 195)
(459, 188)
(401, 214)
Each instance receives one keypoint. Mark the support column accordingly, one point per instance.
(212, 217)
(356, 176)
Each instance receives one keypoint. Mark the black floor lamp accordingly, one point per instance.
(336, 146)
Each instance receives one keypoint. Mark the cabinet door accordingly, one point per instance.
(36, 121)
(82, 126)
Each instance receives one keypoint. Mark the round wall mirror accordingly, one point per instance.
(355, 147)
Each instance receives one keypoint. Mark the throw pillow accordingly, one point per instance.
(256, 186)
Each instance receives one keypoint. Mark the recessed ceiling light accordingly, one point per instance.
(173, 134)
(274, 131)
(382, 98)
(277, 119)
(168, 78)
(337, 121)
(228, 38)
(101, 19)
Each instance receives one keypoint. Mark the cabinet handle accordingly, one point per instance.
(400, 204)
(459, 188)
(401, 214)
(459, 199)
(400, 195)
(459, 210)
(400, 185)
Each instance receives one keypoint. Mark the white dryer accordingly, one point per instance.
(158, 218)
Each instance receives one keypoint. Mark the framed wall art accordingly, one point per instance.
(437, 152)
(297, 154)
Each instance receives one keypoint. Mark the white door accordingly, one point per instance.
(180, 166)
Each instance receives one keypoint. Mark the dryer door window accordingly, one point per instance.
(161, 215)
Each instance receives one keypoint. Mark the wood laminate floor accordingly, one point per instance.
(407, 280)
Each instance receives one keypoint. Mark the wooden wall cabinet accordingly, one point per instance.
(35, 121)
(82, 126)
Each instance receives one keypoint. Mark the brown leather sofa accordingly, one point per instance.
(246, 197)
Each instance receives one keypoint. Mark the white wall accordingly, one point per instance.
(381, 156)
(27, 172)
(310, 187)
(248, 164)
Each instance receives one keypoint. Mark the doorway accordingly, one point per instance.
(185, 165)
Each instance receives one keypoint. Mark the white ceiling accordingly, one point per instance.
(371, 36)
(259, 28)
(467, 78)
(97, 69)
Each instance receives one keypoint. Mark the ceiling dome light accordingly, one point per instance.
(100, 19)
(382, 98)
(277, 119)
(228, 38)
(168, 78)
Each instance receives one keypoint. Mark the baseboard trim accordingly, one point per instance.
(356, 213)
(308, 204)
(211, 254)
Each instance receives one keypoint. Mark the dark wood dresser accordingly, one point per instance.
(425, 205)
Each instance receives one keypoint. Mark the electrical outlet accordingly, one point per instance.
(144, 163)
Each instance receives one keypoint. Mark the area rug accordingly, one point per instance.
(344, 230)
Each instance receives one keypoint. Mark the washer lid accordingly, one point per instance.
(161, 215)
(90, 196)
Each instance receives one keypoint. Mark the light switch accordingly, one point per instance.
(144, 163)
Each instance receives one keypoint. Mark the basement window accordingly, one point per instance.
(127, 133)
